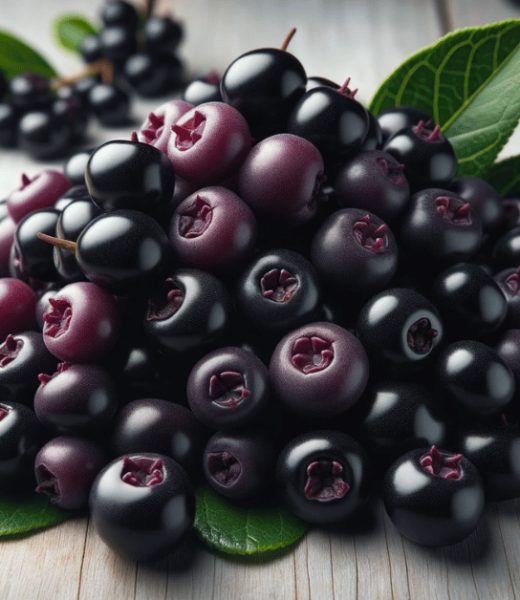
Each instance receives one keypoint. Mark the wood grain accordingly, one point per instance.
(366, 40)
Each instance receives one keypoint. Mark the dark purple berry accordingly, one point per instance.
(65, 468)
(319, 370)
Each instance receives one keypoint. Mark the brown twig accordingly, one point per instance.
(104, 67)
(287, 39)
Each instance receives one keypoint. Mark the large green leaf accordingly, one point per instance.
(504, 176)
(244, 531)
(70, 31)
(17, 57)
(469, 82)
(19, 515)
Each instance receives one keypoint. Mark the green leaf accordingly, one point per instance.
(19, 515)
(469, 82)
(16, 57)
(70, 30)
(504, 176)
(235, 530)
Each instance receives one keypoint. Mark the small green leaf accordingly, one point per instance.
(18, 515)
(243, 531)
(70, 30)
(504, 176)
(469, 82)
(17, 57)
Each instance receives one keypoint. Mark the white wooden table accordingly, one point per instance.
(364, 40)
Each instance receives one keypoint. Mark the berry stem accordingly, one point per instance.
(103, 67)
(149, 6)
(287, 39)
(59, 243)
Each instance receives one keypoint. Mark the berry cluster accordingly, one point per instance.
(143, 52)
(188, 305)
(47, 118)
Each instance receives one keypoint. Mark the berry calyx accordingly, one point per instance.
(369, 235)
(440, 464)
(9, 350)
(190, 132)
(165, 303)
(278, 285)
(324, 481)
(513, 282)
(453, 210)
(195, 218)
(223, 467)
(430, 135)
(57, 318)
(312, 354)
(228, 389)
(420, 336)
(142, 471)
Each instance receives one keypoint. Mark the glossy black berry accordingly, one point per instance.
(117, 43)
(428, 156)
(35, 257)
(483, 198)
(90, 48)
(240, 464)
(162, 35)
(123, 174)
(472, 376)
(190, 312)
(30, 91)
(434, 497)
(123, 251)
(469, 300)
(110, 104)
(142, 505)
(333, 121)
(324, 476)
(44, 134)
(264, 85)
(150, 76)
(278, 291)
(399, 326)
(439, 228)
(119, 12)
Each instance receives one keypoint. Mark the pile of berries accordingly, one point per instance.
(277, 293)
(47, 118)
